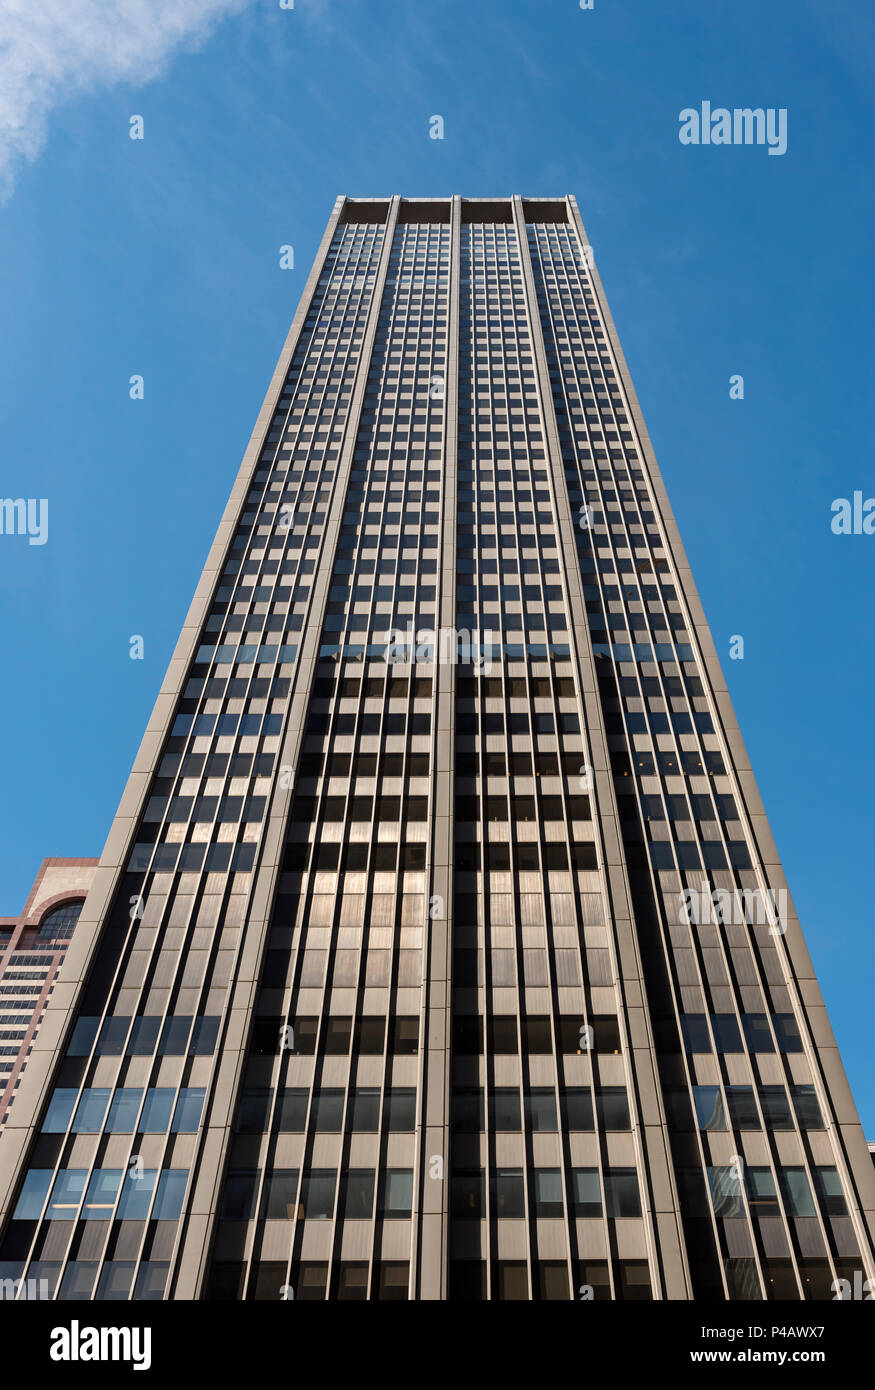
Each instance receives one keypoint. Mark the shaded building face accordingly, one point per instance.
(439, 949)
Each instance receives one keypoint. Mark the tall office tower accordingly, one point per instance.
(425, 966)
(32, 950)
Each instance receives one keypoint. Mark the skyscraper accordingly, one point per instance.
(440, 948)
(32, 950)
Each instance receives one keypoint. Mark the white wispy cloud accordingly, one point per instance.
(54, 50)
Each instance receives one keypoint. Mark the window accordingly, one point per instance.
(694, 1028)
(405, 1038)
(540, 1107)
(33, 1194)
(710, 1113)
(280, 1194)
(309, 1280)
(502, 1034)
(577, 1109)
(512, 1282)
(787, 1032)
(357, 1198)
(328, 1111)
(58, 924)
(594, 1281)
(144, 1036)
(174, 1036)
(124, 1109)
(171, 1191)
(396, 1193)
(796, 1191)
(317, 1194)
(112, 1038)
(547, 1194)
(508, 1192)
(612, 1108)
(586, 1195)
(253, 1111)
(468, 1281)
(828, 1187)
(742, 1107)
(505, 1109)
(188, 1110)
(157, 1110)
(552, 1281)
(267, 1279)
(238, 1199)
(78, 1280)
(136, 1195)
(115, 1281)
(351, 1281)
(393, 1280)
(727, 1037)
(364, 1111)
(632, 1280)
(761, 1193)
(807, 1109)
(621, 1192)
(776, 1107)
(757, 1033)
(401, 1110)
(60, 1111)
(466, 1194)
(726, 1191)
(67, 1194)
(467, 1112)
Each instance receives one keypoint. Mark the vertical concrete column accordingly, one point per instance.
(195, 1239)
(434, 1220)
(671, 1273)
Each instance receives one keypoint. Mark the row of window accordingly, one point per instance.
(614, 1194)
(287, 1196)
(126, 1194)
(739, 1110)
(124, 1110)
(177, 1035)
(733, 1189)
(116, 1280)
(536, 1111)
(727, 1036)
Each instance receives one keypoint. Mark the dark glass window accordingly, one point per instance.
(317, 1194)
(540, 1109)
(742, 1107)
(279, 1195)
(807, 1109)
(357, 1196)
(253, 1110)
(710, 1113)
(401, 1110)
(577, 1109)
(621, 1192)
(328, 1111)
(396, 1192)
(466, 1193)
(612, 1107)
(505, 1112)
(508, 1192)
(238, 1199)
(547, 1192)
(364, 1113)
(776, 1107)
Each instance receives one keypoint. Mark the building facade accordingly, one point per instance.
(32, 950)
(440, 948)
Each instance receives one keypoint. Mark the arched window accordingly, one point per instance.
(58, 924)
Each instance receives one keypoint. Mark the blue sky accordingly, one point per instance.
(161, 257)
